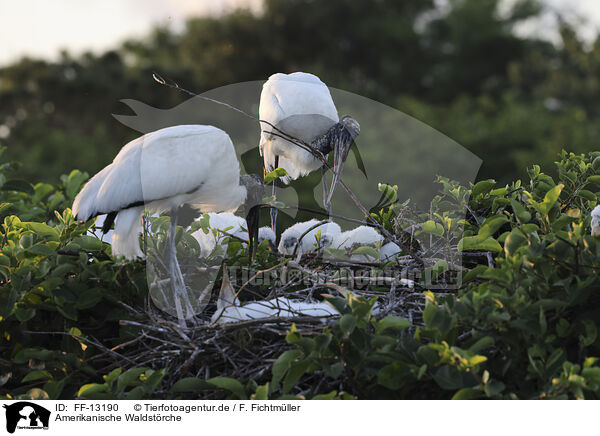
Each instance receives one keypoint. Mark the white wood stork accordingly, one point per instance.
(360, 236)
(300, 105)
(596, 221)
(330, 232)
(161, 171)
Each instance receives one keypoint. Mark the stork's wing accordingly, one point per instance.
(159, 165)
(286, 95)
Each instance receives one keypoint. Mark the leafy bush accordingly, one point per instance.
(523, 323)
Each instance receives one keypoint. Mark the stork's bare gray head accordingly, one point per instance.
(351, 125)
(255, 191)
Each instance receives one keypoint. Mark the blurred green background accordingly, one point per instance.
(462, 69)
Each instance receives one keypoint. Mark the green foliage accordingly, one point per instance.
(134, 384)
(522, 325)
(55, 278)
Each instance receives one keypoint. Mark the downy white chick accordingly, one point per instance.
(223, 222)
(330, 231)
(360, 236)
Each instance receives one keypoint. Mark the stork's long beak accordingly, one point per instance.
(252, 220)
(340, 153)
(341, 147)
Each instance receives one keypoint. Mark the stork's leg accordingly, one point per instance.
(273, 211)
(326, 204)
(177, 282)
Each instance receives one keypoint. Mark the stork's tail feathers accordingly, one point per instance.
(125, 240)
(84, 206)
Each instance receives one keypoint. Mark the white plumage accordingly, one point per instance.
(223, 224)
(330, 231)
(277, 307)
(595, 224)
(360, 236)
(160, 171)
(389, 252)
(266, 233)
(229, 308)
(299, 104)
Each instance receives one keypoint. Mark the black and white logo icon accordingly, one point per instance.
(26, 415)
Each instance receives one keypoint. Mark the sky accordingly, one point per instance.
(42, 28)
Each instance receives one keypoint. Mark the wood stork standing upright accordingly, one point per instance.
(161, 171)
(300, 105)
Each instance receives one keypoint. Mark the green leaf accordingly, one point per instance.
(329, 396)
(392, 322)
(476, 243)
(493, 388)
(467, 394)
(262, 392)
(448, 377)
(229, 384)
(88, 298)
(393, 376)
(348, 323)
(294, 374)
(482, 344)
(41, 250)
(33, 353)
(275, 174)
(23, 314)
(390, 192)
(433, 228)
(588, 195)
(88, 243)
(482, 187)
(190, 384)
(368, 251)
(282, 364)
(93, 391)
(520, 211)
(54, 388)
(591, 332)
(513, 241)
(130, 377)
(550, 199)
(491, 226)
(37, 375)
(42, 229)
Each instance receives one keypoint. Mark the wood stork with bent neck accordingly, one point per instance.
(194, 165)
(300, 105)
